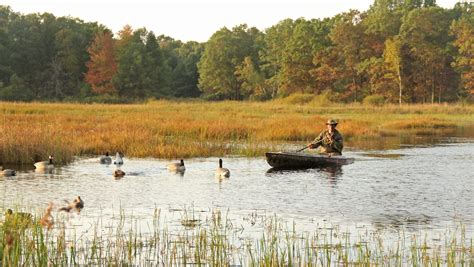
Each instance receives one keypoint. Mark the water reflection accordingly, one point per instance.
(44, 171)
(177, 172)
(383, 155)
(401, 221)
(460, 134)
(332, 172)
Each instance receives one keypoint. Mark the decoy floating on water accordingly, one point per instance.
(118, 173)
(7, 172)
(77, 204)
(106, 159)
(176, 167)
(222, 172)
(118, 159)
(45, 165)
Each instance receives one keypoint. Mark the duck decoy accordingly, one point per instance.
(118, 173)
(118, 159)
(45, 165)
(77, 204)
(176, 167)
(106, 159)
(222, 172)
(7, 172)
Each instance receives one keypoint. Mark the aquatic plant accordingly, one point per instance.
(218, 240)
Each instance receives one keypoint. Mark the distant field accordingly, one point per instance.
(167, 129)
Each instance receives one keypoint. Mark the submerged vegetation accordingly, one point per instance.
(167, 129)
(216, 240)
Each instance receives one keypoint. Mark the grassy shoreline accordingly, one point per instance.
(172, 129)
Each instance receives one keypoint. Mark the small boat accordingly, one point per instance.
(294, 160)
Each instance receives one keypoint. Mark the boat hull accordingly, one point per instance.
(292, 160)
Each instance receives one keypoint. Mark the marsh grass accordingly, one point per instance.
(166, 129)
(217, 241)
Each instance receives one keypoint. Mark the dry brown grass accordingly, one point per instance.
(166, 129)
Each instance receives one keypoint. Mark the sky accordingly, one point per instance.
(188, 20)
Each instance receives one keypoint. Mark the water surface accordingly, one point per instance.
(416, 187)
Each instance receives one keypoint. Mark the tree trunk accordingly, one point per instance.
(400, 87)
(439, 95)
(432, 87)
(432, 91)
(355, 89)
(439, 89)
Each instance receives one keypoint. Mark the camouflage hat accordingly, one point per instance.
(331, 122)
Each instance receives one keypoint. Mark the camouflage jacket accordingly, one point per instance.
(329, 143)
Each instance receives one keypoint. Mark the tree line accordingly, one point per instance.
(403, 51)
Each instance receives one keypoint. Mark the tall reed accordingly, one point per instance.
(167, 129)
(217, 241)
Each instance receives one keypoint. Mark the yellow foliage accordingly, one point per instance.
(170, 129)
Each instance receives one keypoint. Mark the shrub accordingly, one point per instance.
(374, 100)
(326, 98)
(298, 98)
(106, 99)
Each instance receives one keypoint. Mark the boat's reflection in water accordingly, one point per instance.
(332, 172)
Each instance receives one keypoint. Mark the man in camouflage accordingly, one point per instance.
(330, 140)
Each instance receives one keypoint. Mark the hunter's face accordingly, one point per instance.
(331, 127)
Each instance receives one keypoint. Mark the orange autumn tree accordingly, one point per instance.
(102, 65)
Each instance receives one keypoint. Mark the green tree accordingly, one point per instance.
(288, 64)
(181, 66)
(16, 90)
(298, 55)
(384, 19)
(132, 80)
(393, 60)
(376, 82)
(273, 53)
(43, 54)
(185, 74)
(409, 5)
(26, 58)
(224, 51)
(6, 16)
(406, 51)
(252, 81)
(154, 62)
(69, 63)
(425, 32)
(349, 39)
(463, 31)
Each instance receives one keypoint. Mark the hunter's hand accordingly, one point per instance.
(329, 140)
(310, 146)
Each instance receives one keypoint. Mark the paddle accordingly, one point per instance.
(299, 150)
(316, 145)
